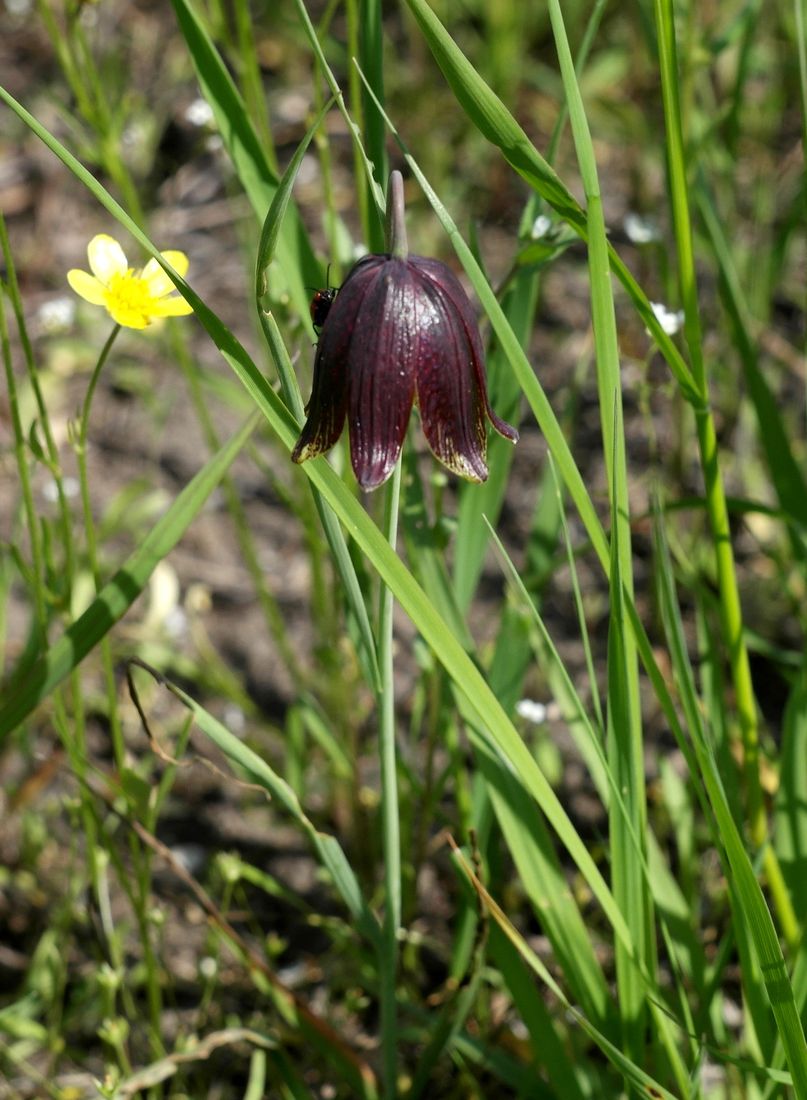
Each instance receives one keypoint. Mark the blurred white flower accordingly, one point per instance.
(19, 8)
(531, 711)
(670, 320)
(190, 856)
(640, 230)
(234, 718)
(135, 134)
(57, 315)
(50, 490)
(540, 227)
(199, 113)
(208, 967)
(176, 623)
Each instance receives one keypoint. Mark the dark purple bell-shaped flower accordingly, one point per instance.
(400, 331)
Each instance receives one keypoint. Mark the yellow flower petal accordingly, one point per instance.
(128, 318)
(106, 257)
(86, 286)
(171, 307)
(158, 282)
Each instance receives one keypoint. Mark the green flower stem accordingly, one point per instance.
(367, 213)
(92, 546)
(391, 839)
(140, 860)
(390, 820)
(397, 244)
(371, 62)
(731, 619)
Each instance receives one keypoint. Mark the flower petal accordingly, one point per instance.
(124, 314)
(170, 307)
(327, 407)
(450, 398)
(158, 282)
(106, 258)
(86, 286)
(448, 284)
(381, 388)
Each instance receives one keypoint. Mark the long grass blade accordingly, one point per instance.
(747, 897)
(494, 121)
(296, 263)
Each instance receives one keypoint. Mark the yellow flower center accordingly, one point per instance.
(128, 299)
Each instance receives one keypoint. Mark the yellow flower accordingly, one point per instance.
(132, 298)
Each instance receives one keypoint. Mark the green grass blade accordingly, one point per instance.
(296, 263)
(116, 597)
(531, 847)
(643, 1082)
(547, 1045)
(574, 712)
(625, 748)
(426, 558)
(374, 205)
(494, 121)
(747, 896)
(790, 829)
(786, 473)
(273, 223)
(486, 500)
(626, 819)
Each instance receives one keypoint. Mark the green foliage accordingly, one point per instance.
(437, 889)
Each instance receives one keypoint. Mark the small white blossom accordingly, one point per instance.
(176, 623)
(50, 490)
(18, 8)
(540, 227)
(135, 134)
(640, 230)
(208, 967)
(199, 113)
(670, 320)
(56, 315)
(531, 711)
(190, 856)
(234, 718)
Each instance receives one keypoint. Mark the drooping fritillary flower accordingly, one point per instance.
(401, 331)
(132, 298)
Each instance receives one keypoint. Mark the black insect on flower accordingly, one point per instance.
(401, 332)
(321, 303)
(320, 307)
